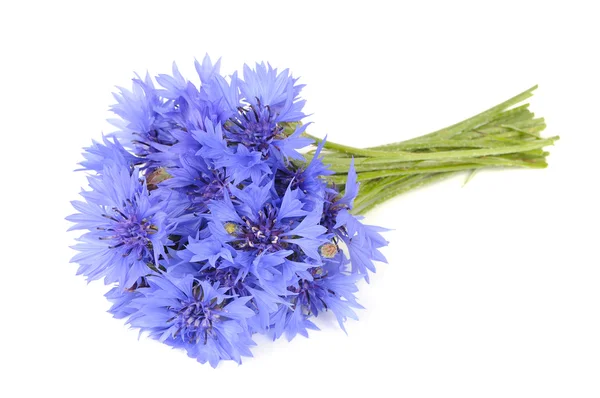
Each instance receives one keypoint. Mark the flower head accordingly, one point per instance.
(329, 287)
(260, 105)
(126, 227)
(196, 181)
(194, 315)
(273, 232)
(98, 154)
(309, 178)
(145, 120)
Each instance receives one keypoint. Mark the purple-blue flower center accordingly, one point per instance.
(291, 177)
(254, 128)
(209, 186)
(264, 234)
(227, 277)
(131, 232)
(308, 290)
(194, 321)
(331, 208)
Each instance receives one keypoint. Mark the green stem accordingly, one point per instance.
(476, 120)
(497, 137)
(396, 188)
(372, 175)
(398, 161)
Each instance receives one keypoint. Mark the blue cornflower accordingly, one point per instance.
(363, 241)
(121, 298)
(239, 162)
(328, 287)
(192, 105)
(127, 228)
(277, 232)
(328, 290)
(145, 121)
(98, 154)
(261, 221)
(308, 178)
(266, 101)
(211, 97)
(265, 87)
(194, 315)
(212, 261)
(195, 179)
(156, 122)
(256, 129)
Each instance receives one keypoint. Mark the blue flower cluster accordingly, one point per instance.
(209, 223)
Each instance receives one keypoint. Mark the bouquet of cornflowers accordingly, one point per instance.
(214, 216)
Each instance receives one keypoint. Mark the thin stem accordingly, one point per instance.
(507, 135)
(395, 189)
(478, 119)
(393, 161)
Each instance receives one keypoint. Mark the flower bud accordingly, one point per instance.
(328, 250)
(156, 177)
(230, 228)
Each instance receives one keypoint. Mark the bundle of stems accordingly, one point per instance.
(507, 135)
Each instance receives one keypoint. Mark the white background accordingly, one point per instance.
(492, 289)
